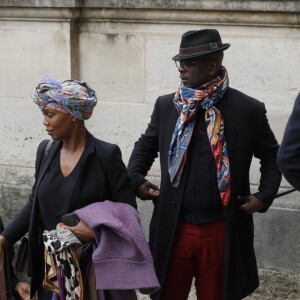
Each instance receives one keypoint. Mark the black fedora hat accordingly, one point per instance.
(197, 43)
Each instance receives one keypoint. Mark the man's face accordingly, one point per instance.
(194, 73)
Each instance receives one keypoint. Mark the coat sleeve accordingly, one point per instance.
(9, 272)
(20, 224)
(118, 180)
(144, 152)
(266, 148)
(289, 151)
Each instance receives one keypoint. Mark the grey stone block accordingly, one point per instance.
(277, 239)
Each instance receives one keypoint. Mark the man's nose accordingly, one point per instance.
(181, 69)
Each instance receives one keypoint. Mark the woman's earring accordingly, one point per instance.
(73, 119)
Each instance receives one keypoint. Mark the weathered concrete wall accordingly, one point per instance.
(123, 49)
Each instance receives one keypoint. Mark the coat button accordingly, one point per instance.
(173, 204)
(196, 186)
(202, 132)
(199, 159)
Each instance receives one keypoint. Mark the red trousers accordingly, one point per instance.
(198, 252)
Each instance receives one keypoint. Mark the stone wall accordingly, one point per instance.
(123, 49)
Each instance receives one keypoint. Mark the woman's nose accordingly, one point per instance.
(45, 122)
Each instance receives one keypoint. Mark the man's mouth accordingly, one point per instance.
(183, 79)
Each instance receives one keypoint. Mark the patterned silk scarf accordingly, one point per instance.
(62, 272)
(187, 101)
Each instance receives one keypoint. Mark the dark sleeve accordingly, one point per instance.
(118, 180)
(8, 267)
(289, 151)
(20, 224)
(266, 148)
(144, 152)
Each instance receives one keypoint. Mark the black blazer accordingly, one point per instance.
(289, 151)
(247, 134)
(103, 172)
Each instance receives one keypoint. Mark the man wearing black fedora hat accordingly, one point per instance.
(206, 135)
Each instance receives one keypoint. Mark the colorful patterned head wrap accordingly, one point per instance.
(72, 97)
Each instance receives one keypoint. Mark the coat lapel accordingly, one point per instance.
(89, 147)
(230, 124)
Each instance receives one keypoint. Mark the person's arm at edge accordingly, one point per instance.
(289, 151)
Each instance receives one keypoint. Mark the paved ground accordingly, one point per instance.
(274, 284)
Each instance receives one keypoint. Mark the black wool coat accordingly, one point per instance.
(247, 134)
(102, 172)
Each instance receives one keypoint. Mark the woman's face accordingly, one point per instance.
(58, 125)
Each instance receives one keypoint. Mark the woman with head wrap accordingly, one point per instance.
(74, 171)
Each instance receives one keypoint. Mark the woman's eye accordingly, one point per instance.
(48, 114)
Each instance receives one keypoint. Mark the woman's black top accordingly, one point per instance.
(55, 193)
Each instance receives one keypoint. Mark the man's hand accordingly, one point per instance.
(251, 204)
(147, 191)
(83, 232)
(23, 288)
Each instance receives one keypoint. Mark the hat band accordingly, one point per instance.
(199, 49)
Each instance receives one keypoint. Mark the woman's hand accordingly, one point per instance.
(23, 288)
(83, 232)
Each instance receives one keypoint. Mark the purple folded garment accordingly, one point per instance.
(122, 259)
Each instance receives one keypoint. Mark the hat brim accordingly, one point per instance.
(195, 55)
